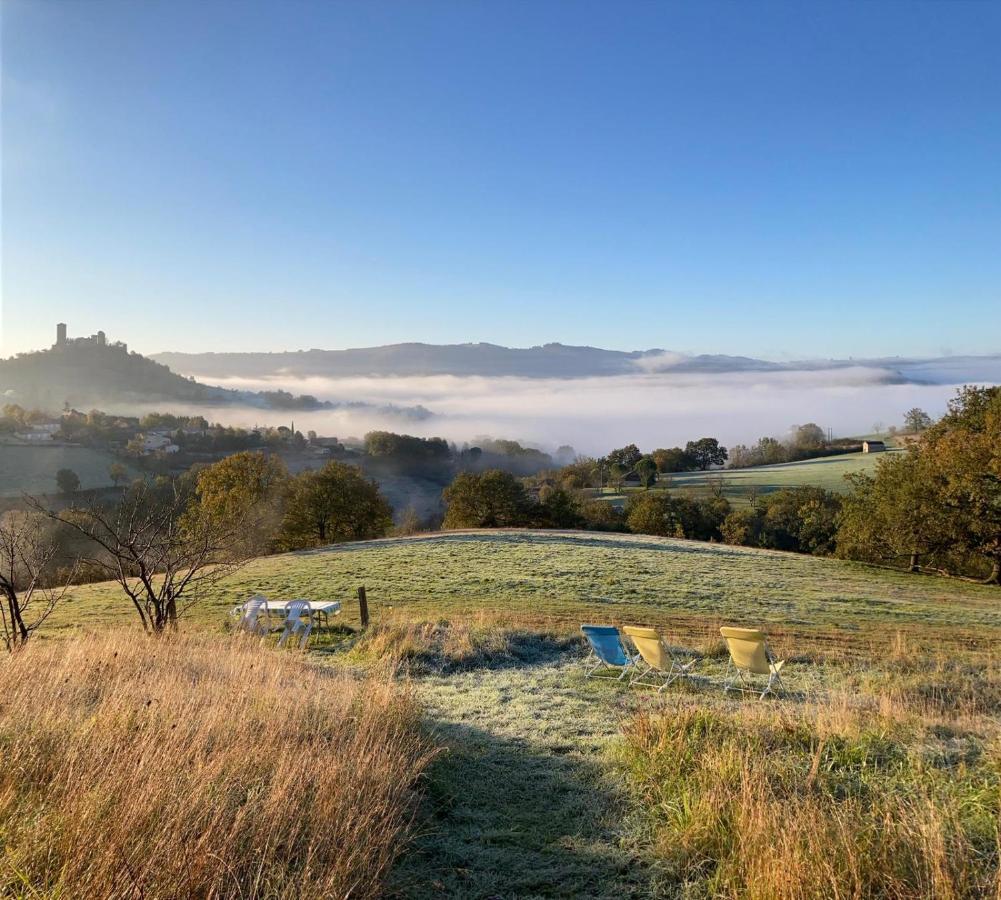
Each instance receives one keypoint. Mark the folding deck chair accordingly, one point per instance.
(608, 653)
(659, 666)
(750, 655)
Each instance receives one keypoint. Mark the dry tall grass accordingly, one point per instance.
(757, 802)
(199, 767)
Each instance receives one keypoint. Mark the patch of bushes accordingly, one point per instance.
(803, 520)
(676, 516)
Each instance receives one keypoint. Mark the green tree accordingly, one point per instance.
(626, 456)
(706, 452)
(559, 508)
(490, 499)
(580, 474)
(802, 519)
(770, 451)
(916, 420)
(331, 504)
(963, 454)
(117, 473)
(67, 481)
(601, 516)
(809, 437)
(616, 473)
(646, 468)
(895, 515)
(653, 514)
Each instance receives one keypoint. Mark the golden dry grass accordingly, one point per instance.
(766, 801)
(198, 766)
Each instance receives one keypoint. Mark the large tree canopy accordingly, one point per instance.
(335, 503)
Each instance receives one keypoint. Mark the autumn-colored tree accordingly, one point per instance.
(335, 503)
(491, 499)
(245, 491)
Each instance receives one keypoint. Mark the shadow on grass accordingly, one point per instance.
(503, 818)
(437, 648)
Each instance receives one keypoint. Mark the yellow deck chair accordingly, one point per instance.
(659, 666)
(750, 655)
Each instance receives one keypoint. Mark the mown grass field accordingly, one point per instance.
(739, 485)
(550, 785)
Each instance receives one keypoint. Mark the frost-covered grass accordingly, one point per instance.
(551, 578)
(876, 777)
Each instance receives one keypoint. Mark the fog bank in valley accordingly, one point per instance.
(598, 413)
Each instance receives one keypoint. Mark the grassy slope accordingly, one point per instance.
(529, 800)
(828, 473)
(32, 470)
(566, 577)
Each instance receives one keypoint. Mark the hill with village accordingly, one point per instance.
(81, 372)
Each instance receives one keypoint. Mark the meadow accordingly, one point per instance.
(877, 776)
(32, 469)
(739, 486)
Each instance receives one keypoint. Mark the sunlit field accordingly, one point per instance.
(739, 486)
(878, 771)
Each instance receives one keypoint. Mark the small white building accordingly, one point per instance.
(873, 446)
(38, 434)
(157, 442)
(34, 437)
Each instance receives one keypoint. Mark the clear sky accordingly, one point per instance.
(771, 179)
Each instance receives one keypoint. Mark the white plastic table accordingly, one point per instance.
(324, 608)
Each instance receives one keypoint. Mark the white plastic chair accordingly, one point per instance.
(252, 616)
(298, 620)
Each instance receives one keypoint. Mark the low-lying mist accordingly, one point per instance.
(596, 414)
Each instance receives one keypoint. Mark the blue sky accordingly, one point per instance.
(794, 179)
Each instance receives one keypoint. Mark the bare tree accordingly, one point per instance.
(26, 559)
(717, 486)
(161, 554)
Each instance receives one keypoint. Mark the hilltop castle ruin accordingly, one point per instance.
(95, 340)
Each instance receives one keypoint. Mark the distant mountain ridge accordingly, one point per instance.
(544, 361)
(550, 361)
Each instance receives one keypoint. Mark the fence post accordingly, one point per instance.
(363, 606)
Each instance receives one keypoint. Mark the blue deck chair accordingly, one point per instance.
(609, 658)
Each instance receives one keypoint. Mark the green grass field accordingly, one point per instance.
(32, 470)
(539, 791)
(740, 484)
(564, 577)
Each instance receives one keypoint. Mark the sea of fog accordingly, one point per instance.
(596, 414)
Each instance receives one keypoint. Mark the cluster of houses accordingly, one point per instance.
(155, 442)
